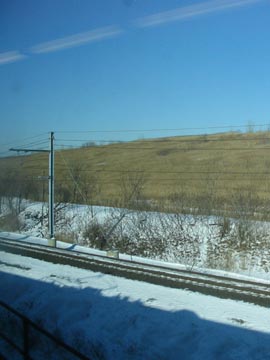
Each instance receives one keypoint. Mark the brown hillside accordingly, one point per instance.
(218, 166)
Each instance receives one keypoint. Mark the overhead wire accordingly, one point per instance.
(173, 172)
(248, 175)
(139, 145)
(136, 148)
(141, 140)
(181, 139)
(41, 142)
(27, 138)
(161, 129)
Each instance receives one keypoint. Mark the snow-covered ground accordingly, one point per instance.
(239, 246)
(108, 317)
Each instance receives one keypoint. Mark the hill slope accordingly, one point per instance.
(205, 171)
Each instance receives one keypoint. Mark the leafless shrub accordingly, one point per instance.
(225, 226)
(94, 235)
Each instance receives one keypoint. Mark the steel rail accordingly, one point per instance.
(209, 284)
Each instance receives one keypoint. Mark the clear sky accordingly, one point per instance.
(132, 64)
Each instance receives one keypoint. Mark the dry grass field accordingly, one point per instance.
(208, 169)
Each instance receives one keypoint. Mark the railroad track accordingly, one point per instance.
(209, 284)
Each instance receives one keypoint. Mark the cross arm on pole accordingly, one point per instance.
(29, 150)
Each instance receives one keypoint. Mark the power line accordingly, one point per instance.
(27, 138)
(141, 130)
(181, 139)
(166, 182)
(174, 172)
(139, 148)
(161, 129)
(140, 145)
(136, 171)
(41, 142)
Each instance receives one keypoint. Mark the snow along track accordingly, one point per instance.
(224, 287)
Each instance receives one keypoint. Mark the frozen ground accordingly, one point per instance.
(113, 318)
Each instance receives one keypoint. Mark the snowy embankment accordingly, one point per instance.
(144, 261)
(107, 317)
(238, 246)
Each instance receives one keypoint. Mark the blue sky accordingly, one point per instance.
(132, 64)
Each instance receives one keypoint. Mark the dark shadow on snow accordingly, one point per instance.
(116, 328)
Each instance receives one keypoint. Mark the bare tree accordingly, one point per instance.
(131, 191)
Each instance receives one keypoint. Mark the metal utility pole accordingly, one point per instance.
(51, 241)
